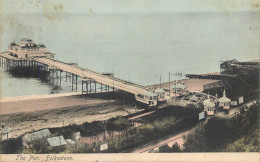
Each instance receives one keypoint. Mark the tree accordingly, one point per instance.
(176, 147)
(165, 148)
(10, 146)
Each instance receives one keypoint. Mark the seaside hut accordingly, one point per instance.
(209, 106)
(6, 132)
(151, 97)
(160, 93)
(224, 102)
(178, 89)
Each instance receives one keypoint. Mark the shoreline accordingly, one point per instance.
(25, 122)
(32, 97)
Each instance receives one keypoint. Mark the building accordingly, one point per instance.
(57, 141)
(76, 136)
(236, 67)
(178, 89)
(224, 102)
(70, 142)
(209, 106)
(26, 48)
(160, 93)
(28, 139)
(151, 97)
(6, 132)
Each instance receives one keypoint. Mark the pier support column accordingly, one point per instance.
(90, 87)
(87, 87)
(60, 76)
(57, 75)
(82, 87)
(95, 87)
(76, 83)
(72, 80)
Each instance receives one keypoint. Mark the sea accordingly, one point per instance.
(141, 48)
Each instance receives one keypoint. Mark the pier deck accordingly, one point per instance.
(86, 76)
(103, 79)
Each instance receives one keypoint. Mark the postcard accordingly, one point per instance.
(110, 80)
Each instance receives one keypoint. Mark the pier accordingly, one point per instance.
(91, 82)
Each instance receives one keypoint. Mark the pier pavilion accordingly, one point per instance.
(26, 48)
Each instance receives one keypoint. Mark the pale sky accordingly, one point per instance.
(127, 6)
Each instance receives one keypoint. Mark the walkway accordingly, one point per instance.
(102, 79)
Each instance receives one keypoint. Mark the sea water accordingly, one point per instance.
(135, 47)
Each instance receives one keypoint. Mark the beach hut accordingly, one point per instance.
(151, 97)
(6, 132)
(160, 93)
(224, 102)
(178, 89)
(209, 106)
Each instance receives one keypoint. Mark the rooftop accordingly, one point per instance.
(6, 130)
(208, 103)
(36, 135)
(41, 45)
(26, 40)
(57, 141)
(159, 90)
(69, 141)
(149, 93)
(224, 99)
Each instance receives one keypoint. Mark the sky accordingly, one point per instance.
(127, 6)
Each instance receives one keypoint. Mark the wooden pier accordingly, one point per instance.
(91, 82)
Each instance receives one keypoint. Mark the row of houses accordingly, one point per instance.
(210, 106)
(45, 136)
